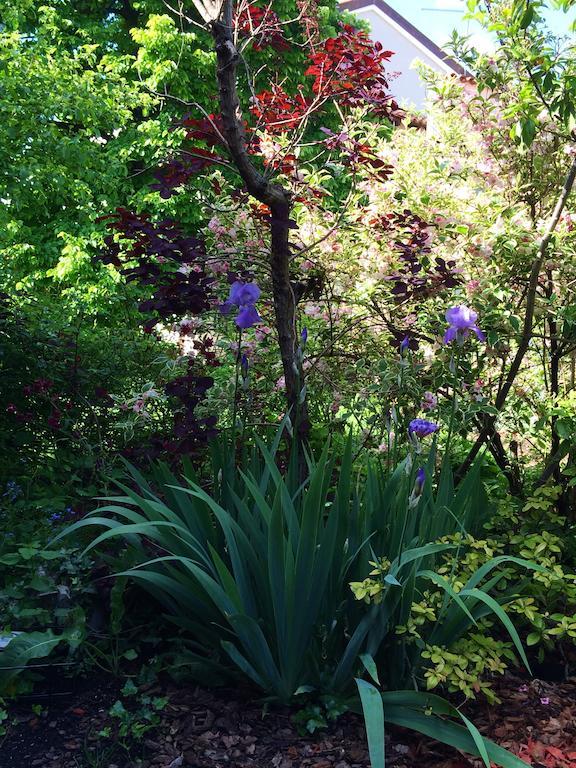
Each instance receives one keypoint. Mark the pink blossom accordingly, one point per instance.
(472, 286)
(545, 700)
(280, 383)
(477, 393)
(313, 310)
(485, 167)
(216, 226)
(261, 332)
(269, 148)
(336, 403)
(429, 402)
(218, 267)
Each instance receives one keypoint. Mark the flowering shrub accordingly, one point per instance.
(305, 254)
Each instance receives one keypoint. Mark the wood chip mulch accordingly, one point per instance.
(223, 728)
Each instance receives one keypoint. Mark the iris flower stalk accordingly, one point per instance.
(461, 321)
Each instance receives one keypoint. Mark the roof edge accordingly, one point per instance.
(358, 5)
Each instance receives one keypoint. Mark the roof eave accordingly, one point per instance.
(410, 29)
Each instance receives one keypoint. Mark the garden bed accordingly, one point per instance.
(203, 728)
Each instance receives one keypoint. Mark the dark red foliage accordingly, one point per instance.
(279, 111)
(189, 431)
(160, 256)
(205, 349)
(192, 159)
(171, 263)
(54, 420)
(354, 154)
(351, 66)
(208, 129)
(39, 386)
(178, 171)
(163, 240)
(263, 26)
(417, 276)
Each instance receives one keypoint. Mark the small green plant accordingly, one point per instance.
(463, 667)
(316, 716)
(133, 716)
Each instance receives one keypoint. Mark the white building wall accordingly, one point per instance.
(406, 86)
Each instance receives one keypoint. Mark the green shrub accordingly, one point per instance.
(258, 570)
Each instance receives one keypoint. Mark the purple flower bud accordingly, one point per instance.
(419, 482)
(304, 336)
(404, 345)
(244, 364)
(422, 427)
(417, 489)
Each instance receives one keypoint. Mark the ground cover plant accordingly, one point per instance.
(288, 370)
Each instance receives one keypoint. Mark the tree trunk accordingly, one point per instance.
(555, 354)
(278, 199)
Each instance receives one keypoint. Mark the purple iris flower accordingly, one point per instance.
(404, 345)
(244, 293)
(247, 317)
(461, 320)
(244, 296)
(422, 427)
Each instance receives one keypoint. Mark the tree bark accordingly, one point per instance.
(509, 468)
